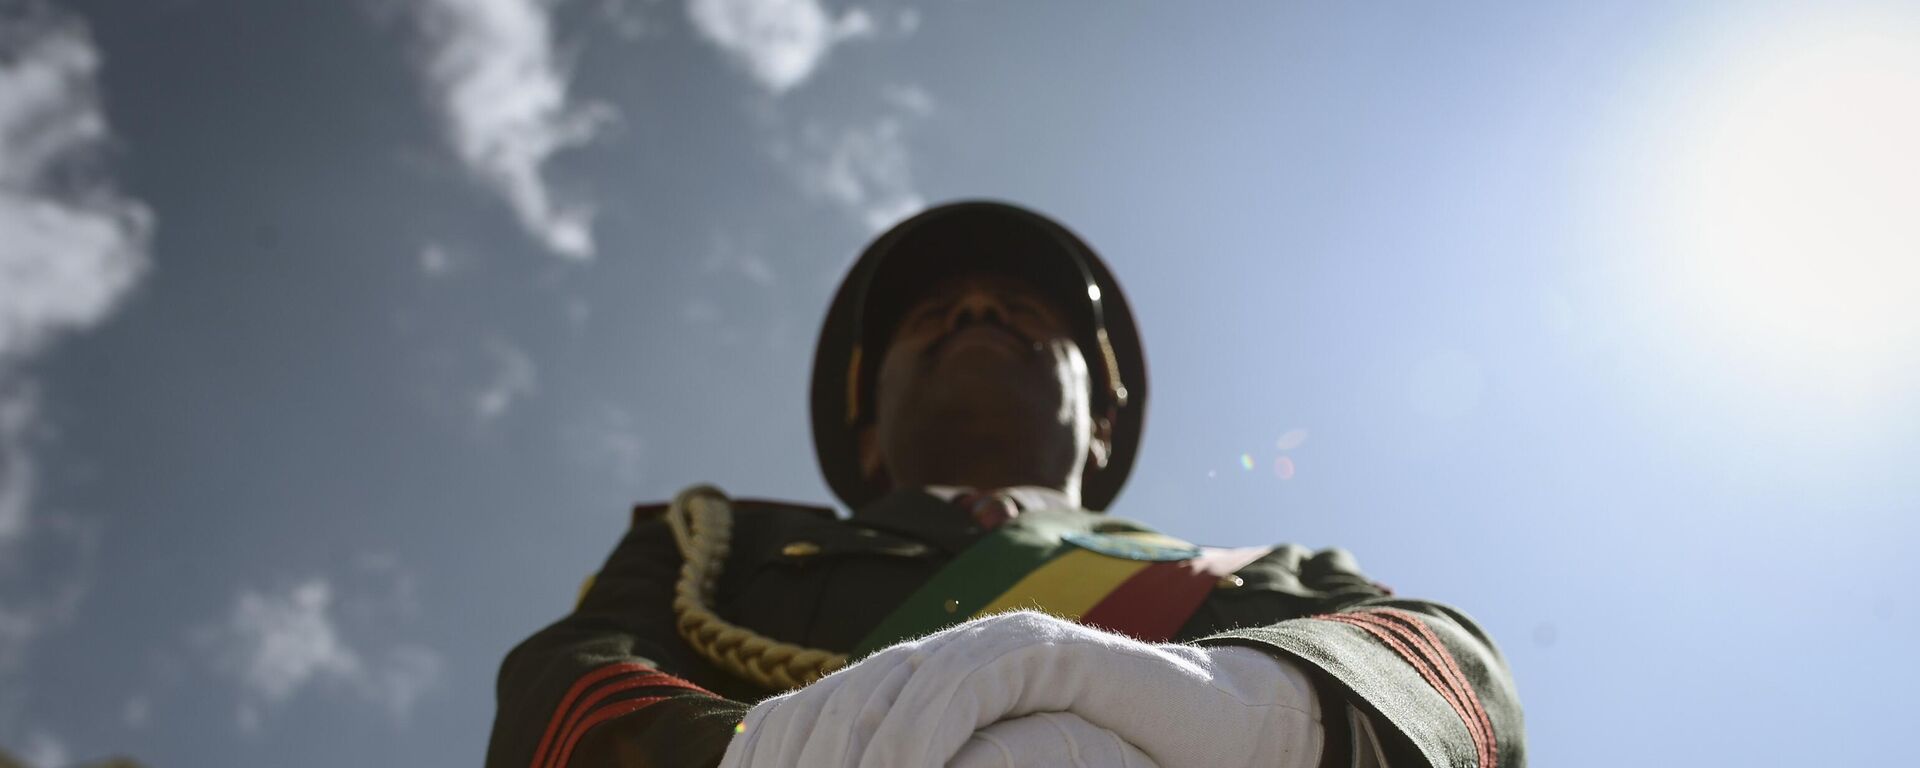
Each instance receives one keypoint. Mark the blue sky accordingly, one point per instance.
(335, 338)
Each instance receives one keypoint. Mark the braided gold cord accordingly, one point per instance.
(701, 518)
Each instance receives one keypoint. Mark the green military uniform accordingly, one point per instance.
(617, 681)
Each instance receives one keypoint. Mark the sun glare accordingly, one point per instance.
(1795, 215)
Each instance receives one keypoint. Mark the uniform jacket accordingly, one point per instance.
(613, 684)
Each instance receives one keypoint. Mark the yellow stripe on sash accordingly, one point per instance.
(1067, 586)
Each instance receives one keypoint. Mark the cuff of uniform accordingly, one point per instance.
(1388, 681)
(684, 731)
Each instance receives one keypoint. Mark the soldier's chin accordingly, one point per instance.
(980, 349)
(969, 403)
(985, 383)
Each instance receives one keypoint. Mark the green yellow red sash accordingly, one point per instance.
(1142, 584)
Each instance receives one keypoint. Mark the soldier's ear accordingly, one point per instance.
(872, 464)
(1100, 447)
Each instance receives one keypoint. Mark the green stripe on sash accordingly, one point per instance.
(970, 582)
(1043, 564)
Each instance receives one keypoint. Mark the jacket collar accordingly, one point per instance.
(922, 515)
(1028, 497)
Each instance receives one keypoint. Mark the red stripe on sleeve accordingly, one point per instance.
(1392, 639)
(1442, 662)
(566, 702)
(1451, 667)
(608, 712)
(1426, 655)
(589, 680)
(650, 680)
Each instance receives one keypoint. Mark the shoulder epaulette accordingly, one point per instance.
(777, 505)
(645, 512)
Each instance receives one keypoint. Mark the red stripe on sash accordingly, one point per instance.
(1153, 604)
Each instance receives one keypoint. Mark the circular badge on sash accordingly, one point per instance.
(1128, 548)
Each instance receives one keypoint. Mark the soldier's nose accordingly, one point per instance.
(975, 307)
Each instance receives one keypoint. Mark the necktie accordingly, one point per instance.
(988, 508)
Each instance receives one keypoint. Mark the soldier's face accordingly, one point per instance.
(983, 372)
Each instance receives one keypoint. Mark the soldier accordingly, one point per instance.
(978, 397)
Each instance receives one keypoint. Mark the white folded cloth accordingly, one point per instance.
(924, 701)
(1048, 739)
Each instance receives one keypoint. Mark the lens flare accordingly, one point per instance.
(1246, 461)
(1291, 439)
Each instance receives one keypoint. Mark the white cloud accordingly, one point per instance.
(513, 377)
(42, 585)
(74, 244)
(45, 750)
(478, 383)
(402, 676)
(283, 642)
(74, 248)
(274, 645)
(501, 90)
(779, 42)
(700, 311)
(864, 169)
(628, 19)
(729, 255)
(18, 475)
(435, 260)
(579, 312)
(911, 99)
(137, 712)
(608, 440)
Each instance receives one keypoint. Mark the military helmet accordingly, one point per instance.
(954, 239)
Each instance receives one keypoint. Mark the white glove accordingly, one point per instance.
(1048, 738)
(918, 703)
